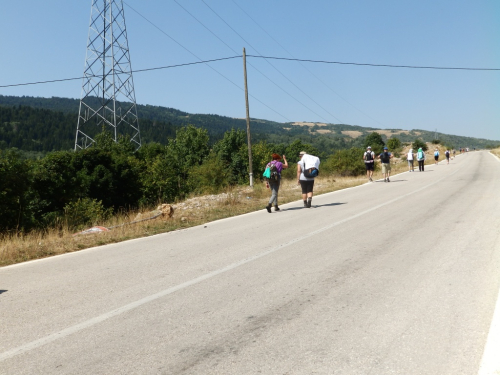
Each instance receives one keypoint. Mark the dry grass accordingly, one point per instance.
(496, 151)
(192, 212)
(352, 133)
(390, 133)
(310, 124)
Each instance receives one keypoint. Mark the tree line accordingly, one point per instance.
(79, 188)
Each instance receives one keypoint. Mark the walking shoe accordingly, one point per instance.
(385, 179)
(268, 208)
(388, 180)
(309, 201)
(276, 208)
(371, 179)
(305, 204)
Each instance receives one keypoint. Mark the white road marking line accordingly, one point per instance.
(490, 363)
(496, 157)
(101, 318)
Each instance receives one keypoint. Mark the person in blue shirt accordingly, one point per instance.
(421, 159)
(436, 156)
(385, 158)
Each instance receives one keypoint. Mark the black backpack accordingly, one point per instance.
(368, 156)
(385, 158)
(275, 176)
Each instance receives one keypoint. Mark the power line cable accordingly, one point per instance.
(256, 56)
(201, 23)
(375, 65)
(187, 64)
(42, 82)
(302, 91)
(310, 72)
(133, 71)
(163, 32)
(228, 46)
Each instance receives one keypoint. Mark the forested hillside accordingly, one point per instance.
(49, 124)
(42, 130)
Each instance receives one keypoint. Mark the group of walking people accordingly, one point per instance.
(309, 162)
(386, 156)
(385, 161)
(419, 156)
(307, 170)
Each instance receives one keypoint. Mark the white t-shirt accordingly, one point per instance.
(373, 156)
(308, 161)
(410, 156)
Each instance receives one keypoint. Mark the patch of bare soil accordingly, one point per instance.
(390, 133)
(310, 124)
(352, 133)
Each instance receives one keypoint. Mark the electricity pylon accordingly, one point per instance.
(108, 96)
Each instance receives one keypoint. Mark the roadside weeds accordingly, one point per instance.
(496, 152)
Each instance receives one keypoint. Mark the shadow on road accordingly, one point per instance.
(329, 204)
(392, 181)
(313, 206)
(3, 291)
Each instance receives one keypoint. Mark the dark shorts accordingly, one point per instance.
(369, 166)
(436, 158)
(307, 186)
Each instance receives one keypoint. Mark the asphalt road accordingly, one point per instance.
(385, 278)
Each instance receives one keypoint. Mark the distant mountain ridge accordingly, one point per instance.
(48, 124)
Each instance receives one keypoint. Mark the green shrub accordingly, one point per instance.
(394, 143)
(261, 155)
(345, 163)
(375, 141)
(291, 172)
(395, 146)
(159, 181)
(211, 177)
(293, 150)
(418, 143)
(85, 211)
(15, 181)
(232, 150)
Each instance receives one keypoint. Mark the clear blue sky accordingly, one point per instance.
(45, 40)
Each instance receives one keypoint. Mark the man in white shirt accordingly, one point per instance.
(306, 183)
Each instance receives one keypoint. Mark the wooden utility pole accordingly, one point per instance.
(250, 168)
